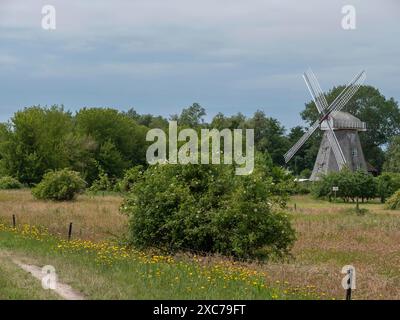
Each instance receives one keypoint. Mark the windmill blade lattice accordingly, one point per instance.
(321, 103)
(338, 104)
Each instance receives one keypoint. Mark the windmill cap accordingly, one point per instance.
(344, 120)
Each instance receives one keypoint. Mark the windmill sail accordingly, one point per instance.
(344, 97)
(338, 104)
(321, 103)
(289, 155)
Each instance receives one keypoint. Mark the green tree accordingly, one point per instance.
(220, 121)
(392, 162)
(5, 134)
(36, 140)
(120, 141)
(352, 186)
(303, 161)
(269, 136)
(148, 120)
(191, 117)
(363, 186)
(387, 184)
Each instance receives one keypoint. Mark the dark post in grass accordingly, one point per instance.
(349, 282)
(295, 207)
(14, 223)
(70, 231)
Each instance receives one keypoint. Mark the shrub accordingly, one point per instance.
(323, 187)
(352, 185)
(131, 177)
(102, 183)
(8, 182)
(207, 208)
(59, 185)
(387, 184)
(393, 203)
(303, 187)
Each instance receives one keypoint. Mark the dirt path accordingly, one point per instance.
(63, 290)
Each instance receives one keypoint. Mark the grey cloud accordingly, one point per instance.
(231, 54)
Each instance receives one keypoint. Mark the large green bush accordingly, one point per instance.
(8, 182)
(59, 185)
(387, 184)
(131, 177)
(393, 203)
(207, 208)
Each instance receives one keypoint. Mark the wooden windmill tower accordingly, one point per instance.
(340, 146)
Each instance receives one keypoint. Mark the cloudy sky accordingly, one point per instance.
(161, 55)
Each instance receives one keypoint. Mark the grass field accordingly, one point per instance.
(330, 235)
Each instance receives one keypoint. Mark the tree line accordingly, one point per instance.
(96, 141)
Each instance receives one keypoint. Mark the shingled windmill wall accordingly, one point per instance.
(349, 141)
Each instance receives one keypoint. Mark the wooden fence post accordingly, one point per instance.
(70, 231)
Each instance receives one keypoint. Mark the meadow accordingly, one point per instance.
(97, 263)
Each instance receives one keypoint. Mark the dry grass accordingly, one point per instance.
(93, 217)
(329, 237)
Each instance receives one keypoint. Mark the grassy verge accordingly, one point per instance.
(106, 271)
(16, 284)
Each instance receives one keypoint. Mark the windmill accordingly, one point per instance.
(340, 146)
